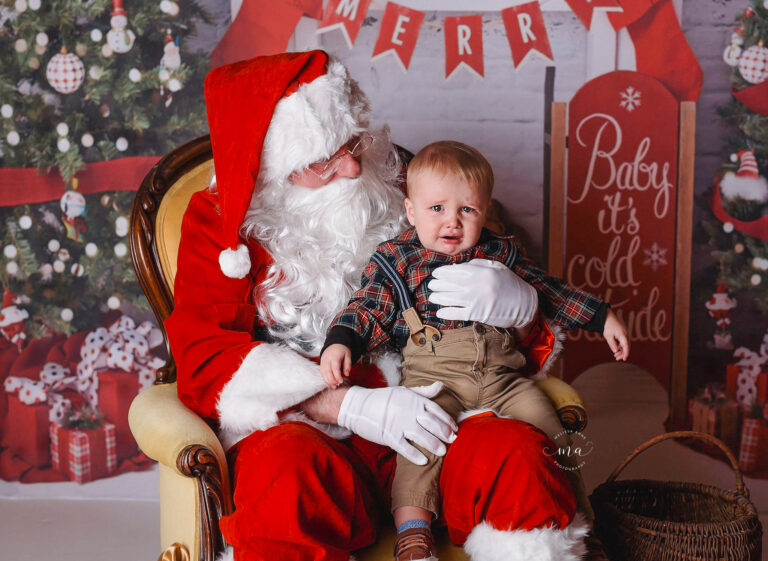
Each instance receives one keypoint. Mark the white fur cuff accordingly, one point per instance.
(485, 543)
(270, 379)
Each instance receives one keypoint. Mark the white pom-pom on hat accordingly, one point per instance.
(235, 263)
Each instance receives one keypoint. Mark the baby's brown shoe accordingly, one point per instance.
(415, 544)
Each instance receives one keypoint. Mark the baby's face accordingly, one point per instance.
(447, 211)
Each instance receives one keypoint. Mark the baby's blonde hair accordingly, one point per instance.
(454, 158)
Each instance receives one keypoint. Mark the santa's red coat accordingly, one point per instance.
(299, 493)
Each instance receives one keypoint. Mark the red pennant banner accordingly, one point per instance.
(526, 32)
(584, 8)
(464, 44)
(398, 33)
(347, 15)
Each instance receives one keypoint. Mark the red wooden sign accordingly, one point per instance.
(620, 208)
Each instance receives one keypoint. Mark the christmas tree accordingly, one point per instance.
(735, 224)
(84, 82)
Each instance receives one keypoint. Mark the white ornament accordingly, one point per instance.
(63, 145)
(41, 39)
(113, 302)
(72, 204)
(20, 6)
(13, 138)
(121, 250)
(121, 144)
(46, 272)
(6, 111)
(120, 38)
(95, 72)
(34, 63)
(59, 266)
(25, 222)
(96, 35)
(39, 49)
(54, 246)
(760, 263)
(20, 45)
(169, 7)
(174, 85)
(737, 39)
(91, 249)
(727, 227)
(67, 315)
(164, 75)
(81, 49)
(10, 251)
(731, 55)
(77, 270)
(86, 140)
(134, 75)
(106, 50)
(63, 254)
(62, 129)
(753, 64)
(755, 279)
(121, 226)
(12, 267)
(65, 72)
(34, 5)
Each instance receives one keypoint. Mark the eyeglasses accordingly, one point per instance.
(354, 147)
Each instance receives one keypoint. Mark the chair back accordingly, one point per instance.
(155, 231)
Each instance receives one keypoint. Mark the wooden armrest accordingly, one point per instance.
(163, 426)
(568, 403)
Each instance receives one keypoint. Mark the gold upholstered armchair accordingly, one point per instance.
(194, 479)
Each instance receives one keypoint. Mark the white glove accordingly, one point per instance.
(390, 415)
(484, 291)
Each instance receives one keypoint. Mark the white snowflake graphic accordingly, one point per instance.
(630, 99)
(655, 256)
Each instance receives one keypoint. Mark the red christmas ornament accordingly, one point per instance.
(748, 12)
(12, 320)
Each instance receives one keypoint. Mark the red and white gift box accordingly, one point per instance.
(753, 452)
(116, 364)
(32, 406)
(84, 455)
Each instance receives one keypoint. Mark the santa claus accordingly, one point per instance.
(268, 255)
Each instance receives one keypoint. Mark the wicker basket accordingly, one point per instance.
(641, 520)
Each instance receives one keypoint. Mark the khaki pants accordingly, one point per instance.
(478, 366)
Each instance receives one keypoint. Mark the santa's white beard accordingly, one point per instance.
(320, 240)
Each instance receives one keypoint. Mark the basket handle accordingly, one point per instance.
(740, 488)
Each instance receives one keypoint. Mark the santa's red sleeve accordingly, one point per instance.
(223, 372)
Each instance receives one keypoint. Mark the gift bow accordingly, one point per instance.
(123, 346)
(54, 378)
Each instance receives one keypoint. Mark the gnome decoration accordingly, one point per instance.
(719, 307)
(12, 320)
(73, 210)
(747, 182)
(171, 55)
(120, 38)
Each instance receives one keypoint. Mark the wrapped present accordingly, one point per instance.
(83, 455)
(116, 363)
(743, 382)
(116, 391)
(32, 406)
(753, 452)
(711, 412)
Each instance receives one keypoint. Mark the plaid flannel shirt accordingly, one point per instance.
(373, 312)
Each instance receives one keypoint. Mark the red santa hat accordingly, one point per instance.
(117, 8)
(270, 116)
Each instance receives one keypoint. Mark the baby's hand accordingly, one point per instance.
(335, 362)
(615, 332)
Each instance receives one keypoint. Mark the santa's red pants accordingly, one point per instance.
(303, 496)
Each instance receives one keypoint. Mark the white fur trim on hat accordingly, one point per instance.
(485, 543)
(313, 123)
(235, 263)
(270, 379)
